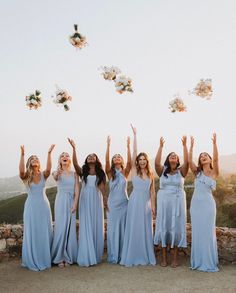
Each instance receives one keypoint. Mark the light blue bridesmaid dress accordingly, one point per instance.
(37, 238)
(65, 245)
(171, 212)
(204, 255)
(91, 219)
(138, 241)
(116, 218)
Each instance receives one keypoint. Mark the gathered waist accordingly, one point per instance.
(172, 189)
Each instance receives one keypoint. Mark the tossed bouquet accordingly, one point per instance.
(34, 101)
(123, 84)
(62, 97)
(203, 89)
(77, 40)
(177, 105)
(110, 73)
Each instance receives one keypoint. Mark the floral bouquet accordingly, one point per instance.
(34, 101)
(123, 84)
(77, 40)
(62, 97)
(110, 73)
(203, 89)
(177, 105)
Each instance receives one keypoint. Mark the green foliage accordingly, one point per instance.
(11, 210)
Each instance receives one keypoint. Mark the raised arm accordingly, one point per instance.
(185, 166)
(153, 197)
(76, 195)
(47, 171)
(134, 155)
(158, 166)
(192, 166)
(22, 163)
(215, 156)
(108, 165)
(128, 164)
(78, 169)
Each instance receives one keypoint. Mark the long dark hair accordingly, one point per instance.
(100, 174)
(113, 167)
(167, 165)
(199, 167)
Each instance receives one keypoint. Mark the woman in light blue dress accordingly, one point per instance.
(37, 237)
(171, 203)
(91, 217)
(204, 255)
(65, 245)
(117, 202)
(138, 240)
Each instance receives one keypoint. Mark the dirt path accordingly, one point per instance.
(106, 278)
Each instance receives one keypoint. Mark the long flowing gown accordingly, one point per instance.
(204, 255)
(37, 238)
(116, 218)
(138, 241)
(91, 219)
(65, 245)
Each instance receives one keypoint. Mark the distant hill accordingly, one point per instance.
(13, 186)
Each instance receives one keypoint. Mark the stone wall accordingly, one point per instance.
(11, 242)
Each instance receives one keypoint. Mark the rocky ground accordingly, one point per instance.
(105, 278)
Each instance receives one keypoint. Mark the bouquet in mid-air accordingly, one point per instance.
(123, 84)
(77, 40)
(110, 73)
(177, 105)
(203, 89)
(62, 97)
(34, 100)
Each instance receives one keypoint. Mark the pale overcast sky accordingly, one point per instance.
(165, 46)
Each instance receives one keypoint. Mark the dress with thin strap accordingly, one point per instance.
(37, 238)
(91, 220)
(138, 241)
(65, 245)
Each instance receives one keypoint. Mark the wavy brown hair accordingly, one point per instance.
(113, 167)
(148, 167)
(199, 167)
(29, 170)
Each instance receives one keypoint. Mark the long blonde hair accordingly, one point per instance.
(29, 170)
(59, 165)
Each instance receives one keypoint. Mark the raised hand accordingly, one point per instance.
(128, 142)
(214, 138)
(134, 129)
(72, 143)
(51, 148)
(108, 140)
(162, 141)
(184, 140)
(22, 148)
(191, 141)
